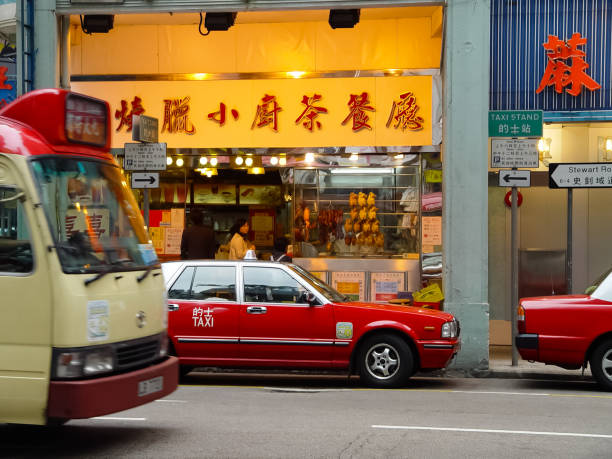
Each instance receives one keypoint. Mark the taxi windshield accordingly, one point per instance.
(321, 287)
(93, 216)
(595, 285)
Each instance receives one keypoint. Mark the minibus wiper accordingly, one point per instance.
(149, 268)
(100, 275)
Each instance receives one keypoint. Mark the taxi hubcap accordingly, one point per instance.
(606, 364)
(382, 361)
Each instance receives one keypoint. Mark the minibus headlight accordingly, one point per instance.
(98, 361)
(84, 363)
(449, 329)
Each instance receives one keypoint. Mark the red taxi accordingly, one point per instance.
(570, 331)
(276, 315)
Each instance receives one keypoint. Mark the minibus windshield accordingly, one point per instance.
(93, 216)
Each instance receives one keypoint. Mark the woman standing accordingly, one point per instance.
(239, 243)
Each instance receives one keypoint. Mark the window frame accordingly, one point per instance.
(288, 273)
(28, 219)
(195, 268)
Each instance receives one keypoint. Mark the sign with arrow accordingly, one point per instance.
(515, 178)
(580, 175)
(145, 180)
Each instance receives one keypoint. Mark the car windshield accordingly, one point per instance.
(597, 283)
(93, 216)
(321, 287)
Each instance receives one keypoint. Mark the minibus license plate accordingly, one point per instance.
(150, 385)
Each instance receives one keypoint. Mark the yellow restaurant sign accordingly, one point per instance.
(312, 112)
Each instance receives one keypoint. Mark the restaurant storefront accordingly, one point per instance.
(329, 137)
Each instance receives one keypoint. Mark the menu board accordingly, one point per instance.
(432, 230)
(208, 193)
(260, 194)
(262, 227)
(177, 218)
(172, 241)
(384, 286)
(350, 283)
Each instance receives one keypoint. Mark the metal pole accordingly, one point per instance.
(145, 206)
(568, 255)
(514, 273)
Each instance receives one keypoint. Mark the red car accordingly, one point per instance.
(570, 331)
(276, 315)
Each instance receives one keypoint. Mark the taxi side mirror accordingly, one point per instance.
(309, 297)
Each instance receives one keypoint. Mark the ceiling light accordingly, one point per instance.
(399, 156)
(256, 170)
(309, 157)
(180, 162)
(208, 173)
(213, 161)
(97, 23)
(248, 162)
(282, 161)
(296, 74)
(354, 157)
(239, 160)
(203, 160)
(169, 160)
(343, 19)
(274, 160)
(219, 21)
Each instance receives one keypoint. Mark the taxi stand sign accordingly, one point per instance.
(515, 123)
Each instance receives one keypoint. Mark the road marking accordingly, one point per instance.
(110, 418)
(171, 401)
(512, 432)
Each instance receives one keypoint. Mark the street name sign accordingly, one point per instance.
(145, 180)
(515, 123)
(515, 178)
(144, 128)
(580, 175)
(514, 153)
(145, 157)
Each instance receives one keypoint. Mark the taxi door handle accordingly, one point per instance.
(257, 310)
(173, 307)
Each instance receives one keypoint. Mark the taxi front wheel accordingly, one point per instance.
(601, 364)
(385, 360)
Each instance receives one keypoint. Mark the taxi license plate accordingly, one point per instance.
(150, 386)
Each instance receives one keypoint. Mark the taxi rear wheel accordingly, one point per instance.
(385, 360)
(601, 364)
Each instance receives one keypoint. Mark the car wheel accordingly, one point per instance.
(385, 361)
(601, 364)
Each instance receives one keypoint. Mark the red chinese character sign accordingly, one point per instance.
(125, 117)
(311, 112)
(308, 112)
(566, 66)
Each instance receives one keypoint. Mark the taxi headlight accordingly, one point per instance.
(449, 329)
(84, 363)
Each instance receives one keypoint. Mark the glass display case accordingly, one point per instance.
(431, 219)
(368, 212)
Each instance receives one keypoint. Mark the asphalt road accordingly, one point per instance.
(286, 416)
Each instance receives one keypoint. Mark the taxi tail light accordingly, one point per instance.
(520, 317)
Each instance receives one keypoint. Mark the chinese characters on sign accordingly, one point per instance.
(176, 116)
(180, 118)
(267, 113)
(358, 105)
(403, 113)
(559, 74)
(125, 117)
(311, 112)
(575, 175)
